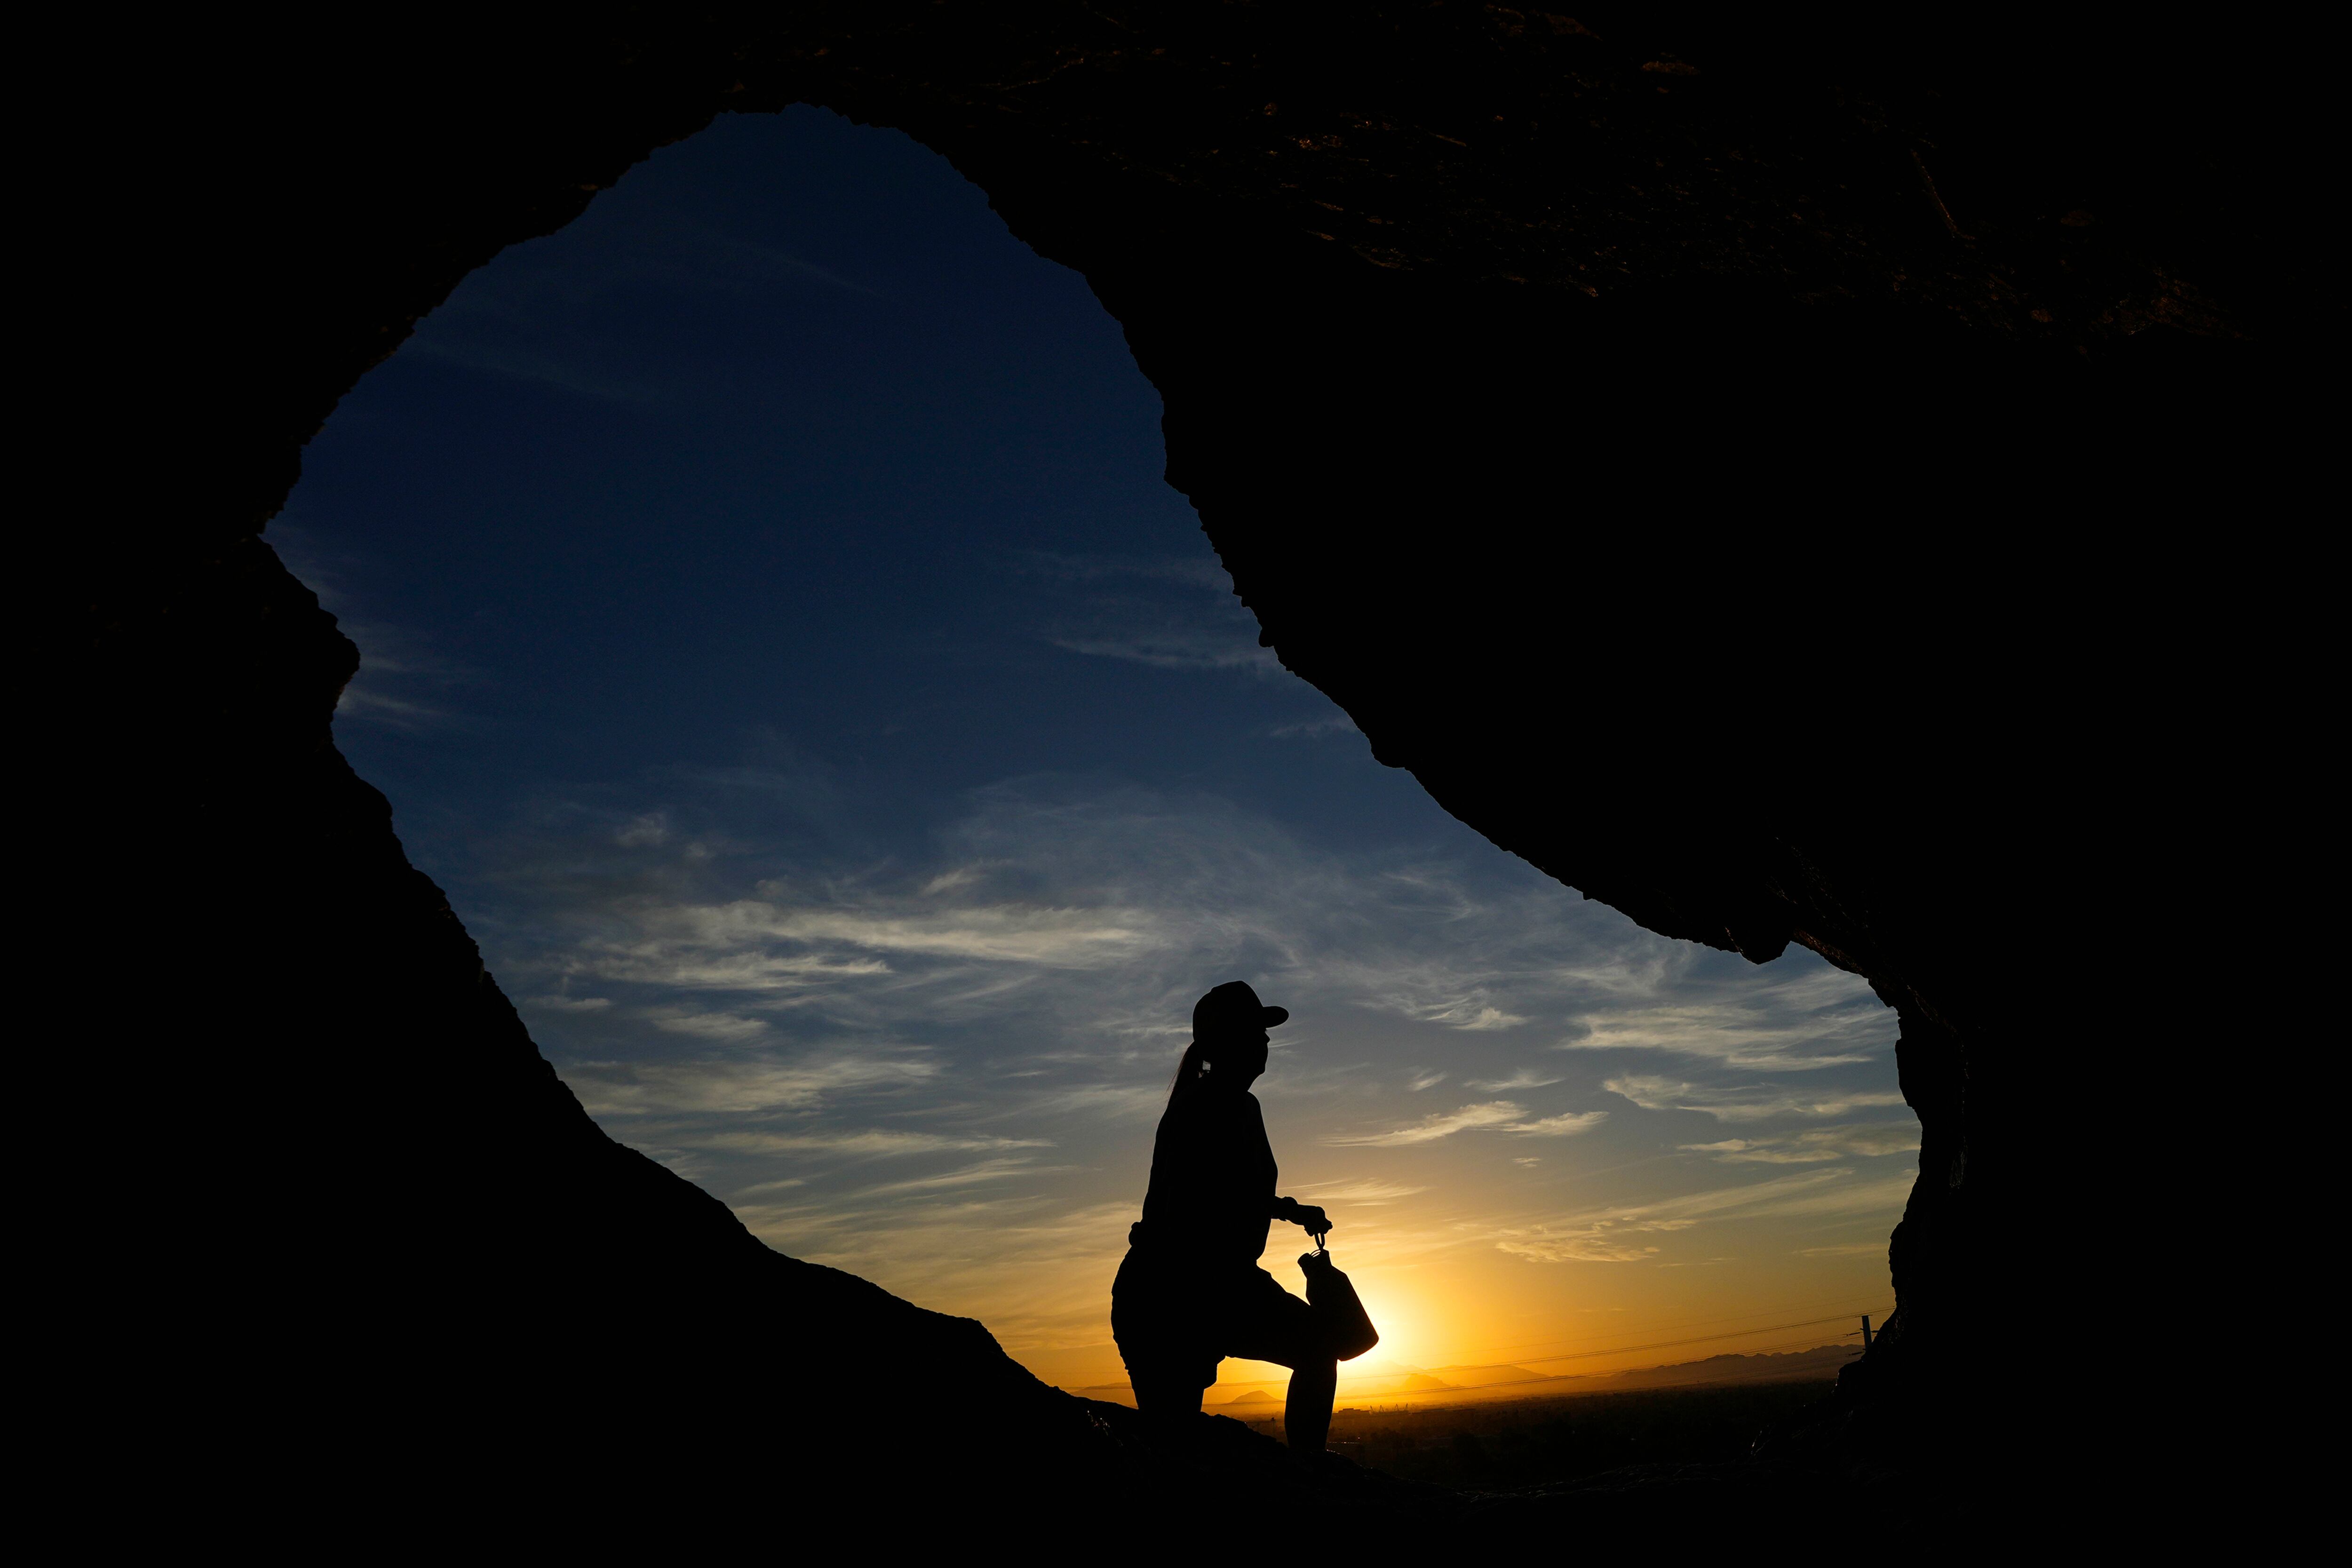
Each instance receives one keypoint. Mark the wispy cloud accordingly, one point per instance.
(1501, 1116)
(452, 345)
(1746, 1103)
(1566, 1126)
(1122, 607)
(1802, 1023)
(1444, 1124)
(1526, 1078)
(570, 1004)
(1315, 728)
(752, 944)
(404, 682)
(1173, 646)
(1191, 570)
(634, 1088)
(522, 319)
(1472, 1015)
(365, 698)
(731, 1028)
(1814, 1146)
(870, 1143)
(1621, 1233)
(1358, 1190)
(997, 1170)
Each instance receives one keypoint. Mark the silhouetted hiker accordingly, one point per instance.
(1189, 1291)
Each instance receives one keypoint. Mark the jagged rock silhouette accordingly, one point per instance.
(1659, 430)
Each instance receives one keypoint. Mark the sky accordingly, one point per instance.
(778, 639)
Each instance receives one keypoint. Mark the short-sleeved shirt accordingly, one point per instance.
(1212, 1177)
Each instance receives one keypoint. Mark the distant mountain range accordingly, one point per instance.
(1485, 1376)
(1789, 1366)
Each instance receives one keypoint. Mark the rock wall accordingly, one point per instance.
(1726, 458)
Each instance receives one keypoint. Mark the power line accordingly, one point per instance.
(1629, 1350)
(1854, 1302)
(1523, 1381)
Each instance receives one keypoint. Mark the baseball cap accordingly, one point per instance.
(1234, 1006)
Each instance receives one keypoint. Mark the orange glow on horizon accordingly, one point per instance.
(1421, 1339)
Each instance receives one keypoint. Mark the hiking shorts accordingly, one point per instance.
(1176, 1320)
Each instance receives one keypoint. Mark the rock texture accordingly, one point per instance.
(1741, 464)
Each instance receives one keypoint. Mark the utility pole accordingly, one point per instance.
(1865, 1333)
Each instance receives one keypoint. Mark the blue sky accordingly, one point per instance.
(778, 639)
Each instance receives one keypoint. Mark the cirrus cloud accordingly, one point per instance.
(1744, 1103)
(1619, 1234)
(1499, 1115)
(1813, 1146)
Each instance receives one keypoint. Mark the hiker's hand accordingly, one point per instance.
(1314, 1220)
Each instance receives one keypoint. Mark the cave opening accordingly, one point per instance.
(1982, 326)
(780, 642)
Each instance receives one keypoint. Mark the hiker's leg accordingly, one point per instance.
(1307, 1413)
(1271, 1324)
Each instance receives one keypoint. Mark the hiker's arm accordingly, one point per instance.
(1312, 1219)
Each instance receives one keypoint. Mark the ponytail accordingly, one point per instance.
(1189, 1073)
